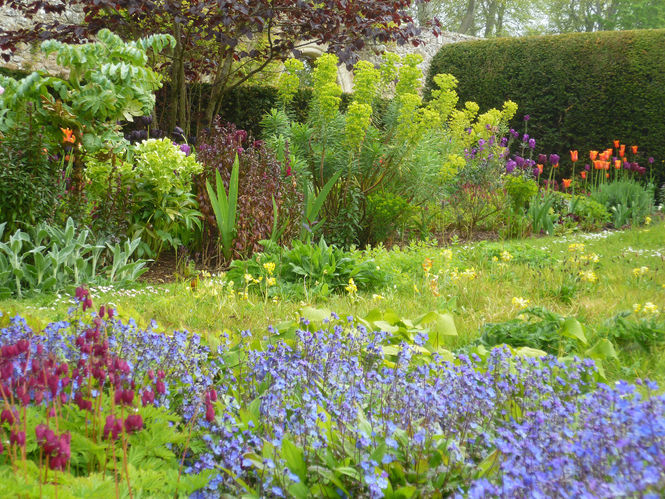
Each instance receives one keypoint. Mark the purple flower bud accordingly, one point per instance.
(532, 143)
(651, 160)
(587, 167)
(519, 160)
(542, 159)
(527, 117)
(536, 172)
(510, 166)
(554, 159)
(504, 141)
(525, 138)
(186, 149)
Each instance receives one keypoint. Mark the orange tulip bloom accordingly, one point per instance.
(634, 148)
(606, 165)
(540, 168)
(555, 166)
(622, 150)
(617, 163)
(596, 164)
(68, 135)
(607, 175)
(573, 156)
(593, 155)
(583, 173)
(566, 182)
(616, 144)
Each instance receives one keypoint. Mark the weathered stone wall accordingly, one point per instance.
(29, 58)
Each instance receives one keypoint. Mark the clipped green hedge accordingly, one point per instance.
(581, 90)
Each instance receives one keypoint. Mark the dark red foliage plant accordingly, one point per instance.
(261, 178)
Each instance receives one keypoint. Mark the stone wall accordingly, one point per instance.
(29, 58)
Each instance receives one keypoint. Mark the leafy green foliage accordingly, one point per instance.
(573, 113)
(29, 178)
(158, 175)
(224, 207)
(646, 332)
(626, 200)
(310, 269)
(48, 258)
(108, 81)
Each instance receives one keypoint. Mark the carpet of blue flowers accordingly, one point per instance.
(314, 410)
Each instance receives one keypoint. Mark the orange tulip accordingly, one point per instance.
(68, 135)
(540, 168)
(573, 156)
(616, 144)
(583, 173)
(617, 163)
(606, 165)
(566, 182)
(593, 155)
(622, 150)
(596, 164)
(634, 149)
(555, 166)
(607, 175)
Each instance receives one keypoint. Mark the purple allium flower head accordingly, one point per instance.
(542, 159)
(186, 149)
(536, 172)
(519, 160)
(527, 117)
(510, 166)
(554, 159)
(651, 160)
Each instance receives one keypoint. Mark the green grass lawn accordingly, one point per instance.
(478, 283)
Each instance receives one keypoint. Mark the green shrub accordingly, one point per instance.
(626, 200)
(581, 90)
(589, 214)
(310, 269)
(387, 214)
(159, 175)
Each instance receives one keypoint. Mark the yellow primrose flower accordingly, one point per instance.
(640, 271)
(637, 307)
(576, 248)
(650, 309)
(378, 297)
(270, 267)
(520, 302)
(351, 288)
(271, 281)
(588, 276)
(447, 254)
(647, 220)
(415, 288)
(248, 278)
(495, 258)
(506, 256)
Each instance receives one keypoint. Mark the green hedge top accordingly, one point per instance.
(581, 90)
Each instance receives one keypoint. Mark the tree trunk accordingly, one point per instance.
(499, 20)
(467, 25)
(177, 83)
(490, 18)
(218, 88)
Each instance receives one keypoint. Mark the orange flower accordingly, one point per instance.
(616, 144)
(607, 175)
(566, 182)
(606, 165)
(593, 155)
(596, 164)
(634, 149)
(427, 265)
(68, 135)
(66, 157)
(540, 168)
(617, 163)
(583, 173)
(555, 166)
(573, 156)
